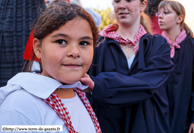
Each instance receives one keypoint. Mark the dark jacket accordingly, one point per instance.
(180, 88)
(131, 100)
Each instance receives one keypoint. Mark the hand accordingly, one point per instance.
(191, 129)
(87, 81)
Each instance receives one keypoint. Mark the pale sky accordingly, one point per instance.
(97, 4)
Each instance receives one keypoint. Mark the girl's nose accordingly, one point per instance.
(122, 4)
(73, 51)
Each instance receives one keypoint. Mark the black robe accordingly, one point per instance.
(181, 88)
(16, 19)
(131, 100)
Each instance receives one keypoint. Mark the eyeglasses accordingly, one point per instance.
(165, 12)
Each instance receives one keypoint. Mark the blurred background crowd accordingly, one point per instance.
(17, 18)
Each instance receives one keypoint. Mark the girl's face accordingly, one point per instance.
(66, 54)
(167, 18)
(127, 12)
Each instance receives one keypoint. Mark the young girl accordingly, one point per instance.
(180, 84)
(63, 41)
(28, 50)
(128, 71)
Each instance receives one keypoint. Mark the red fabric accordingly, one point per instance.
(67, 1)
(110, 32)
(178, 40)
(29, 48)
(56, 104)
(154, 25)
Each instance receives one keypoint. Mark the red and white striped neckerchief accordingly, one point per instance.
(178, 40)
(110, 32)
(56, 104)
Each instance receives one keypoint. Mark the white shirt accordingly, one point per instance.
(21, 103)
(80, 115)
(35, 66)
(130, 61)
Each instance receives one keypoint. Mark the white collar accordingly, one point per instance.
(39, 85)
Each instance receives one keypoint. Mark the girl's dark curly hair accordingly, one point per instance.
(56, 15)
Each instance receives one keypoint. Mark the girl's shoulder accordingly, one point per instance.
(24, 105)
(104, 40)
(18, 98)
(155, 37)
(191, 39)
(155, 40)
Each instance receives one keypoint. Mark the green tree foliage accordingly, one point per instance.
(107, 17)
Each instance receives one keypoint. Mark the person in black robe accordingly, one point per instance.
(180, 85)
(129, 74)
(16, 18)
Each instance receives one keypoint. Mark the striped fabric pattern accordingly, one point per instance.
(59, 107)
(16, 19)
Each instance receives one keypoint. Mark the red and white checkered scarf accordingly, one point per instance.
(110, 32)
(178, 40)
(56, 104)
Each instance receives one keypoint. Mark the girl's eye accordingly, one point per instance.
(117, 1)
(61, 41)
(84, 43)
(166, 11)
(128, 0)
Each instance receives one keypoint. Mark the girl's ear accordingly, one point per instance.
(37, 48)
(179, 19)
(143, 5)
